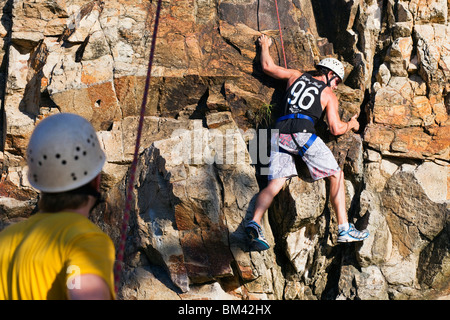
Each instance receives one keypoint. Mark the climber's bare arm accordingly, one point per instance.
(270, 68)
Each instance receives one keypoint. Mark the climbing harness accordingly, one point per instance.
(126, 214)
(295, 116)
(301, 149)
(281, 34)
(306, 146)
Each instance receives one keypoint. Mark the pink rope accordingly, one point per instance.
(126, 214)
(281, 34)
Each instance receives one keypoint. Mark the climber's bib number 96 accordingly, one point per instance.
(302, 97)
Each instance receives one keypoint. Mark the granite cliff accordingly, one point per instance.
(204, 151)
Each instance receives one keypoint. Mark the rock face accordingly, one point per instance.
(204, 150)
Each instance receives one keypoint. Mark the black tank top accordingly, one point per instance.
(303, 96)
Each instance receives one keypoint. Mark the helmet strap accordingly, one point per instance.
(329, 80)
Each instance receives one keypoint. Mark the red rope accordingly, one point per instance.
(281, 34)
(126, 214)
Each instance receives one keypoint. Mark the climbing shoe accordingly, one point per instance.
(352, 235)
(254, 231)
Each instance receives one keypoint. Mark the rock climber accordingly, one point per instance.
(308, 95)
(58, 253)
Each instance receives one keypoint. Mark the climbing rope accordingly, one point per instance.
(129, 198)
(281, 34)
(126, 214)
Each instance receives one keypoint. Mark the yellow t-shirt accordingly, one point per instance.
(40, 257)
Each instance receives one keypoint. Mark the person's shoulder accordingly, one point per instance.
(21, 224)
(328, 97)
(295, 75)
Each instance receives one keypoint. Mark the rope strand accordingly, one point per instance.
(281, 34)
(126, 214)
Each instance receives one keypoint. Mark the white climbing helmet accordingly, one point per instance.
(63, 153)
(334, 65)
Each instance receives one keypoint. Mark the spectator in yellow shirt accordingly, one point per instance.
(59, 253)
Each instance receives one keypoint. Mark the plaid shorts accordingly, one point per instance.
(318, 158)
